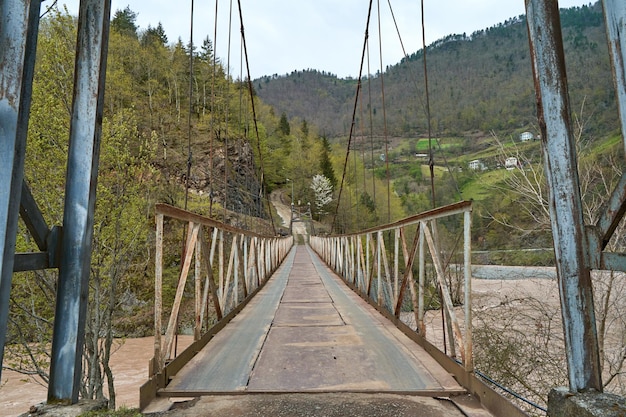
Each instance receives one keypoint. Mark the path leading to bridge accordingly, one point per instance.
(306, 332)
(284, 211)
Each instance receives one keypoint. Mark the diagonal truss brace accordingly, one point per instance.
(47, 239)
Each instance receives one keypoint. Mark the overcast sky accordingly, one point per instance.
(327, 35)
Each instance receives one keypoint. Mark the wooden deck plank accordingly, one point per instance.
(320, 338)
(226, 362)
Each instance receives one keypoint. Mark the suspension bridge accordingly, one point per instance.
(338, 314)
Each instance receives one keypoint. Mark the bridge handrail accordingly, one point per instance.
(245, 260)
(434, 214)
(188, 216)
(359, 258)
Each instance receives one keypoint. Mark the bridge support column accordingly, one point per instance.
(19, 22)
(80, 196)
(570, 241)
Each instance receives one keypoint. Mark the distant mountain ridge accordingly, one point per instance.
(480, 82)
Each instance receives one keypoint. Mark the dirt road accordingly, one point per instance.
(284, 211)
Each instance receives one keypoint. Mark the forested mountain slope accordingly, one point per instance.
(481, 81)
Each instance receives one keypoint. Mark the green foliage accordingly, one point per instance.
(154, 35)
(366, 200)
(124, 22)
(326, 166)
(283, 126)
(477, 82)
(125, 195)
(145, 138)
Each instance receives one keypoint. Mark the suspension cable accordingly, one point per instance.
(419, 97)
(212, 109)
(256, 127)
(241, 124)
(189, 157)
(356, 182)
(226, 111)
(363, 145)
(356, 100)
(431, 162)
(371, 120)
(406, 56)
(382, 88)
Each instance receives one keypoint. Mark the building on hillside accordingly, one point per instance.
(477, 165)
(526, 136)
(511, 163)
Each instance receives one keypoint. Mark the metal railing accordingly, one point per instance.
(381, 273)
(230, 265)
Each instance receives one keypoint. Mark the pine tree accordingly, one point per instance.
(326, 165)
(283, 125)
(154, 35)
(124, 22)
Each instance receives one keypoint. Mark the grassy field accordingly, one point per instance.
(482, 185)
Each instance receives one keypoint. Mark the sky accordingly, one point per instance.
(326, 35)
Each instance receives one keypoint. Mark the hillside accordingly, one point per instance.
(477, 82)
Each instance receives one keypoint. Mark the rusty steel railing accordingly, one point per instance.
(380, 264)
(230, 266)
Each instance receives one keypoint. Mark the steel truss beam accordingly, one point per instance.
(80, 197)
(578, 248)
(70, 250)
(19, 23)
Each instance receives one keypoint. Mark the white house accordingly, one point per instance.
(511, 163)
(526, 136)
(477, 165)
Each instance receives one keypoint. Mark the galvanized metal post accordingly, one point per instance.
(570, 243)
(81, 179)
(19, 22)
(615, 18)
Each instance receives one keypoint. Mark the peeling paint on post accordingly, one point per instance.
(19, 22)
(80, 195)
(615, 19)
(565, 202)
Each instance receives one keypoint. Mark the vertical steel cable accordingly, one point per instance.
(241, 124)
(406, 56)
(189, 157)
(431, 161)
(414, 79)
(356, 186)
(184, 249)
(356, 100)
(362, 129)
(212, 109)
(256, 127)
(226, 108)
(369, 90)
(382, 88)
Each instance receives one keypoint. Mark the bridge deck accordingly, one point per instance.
(305, 331)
